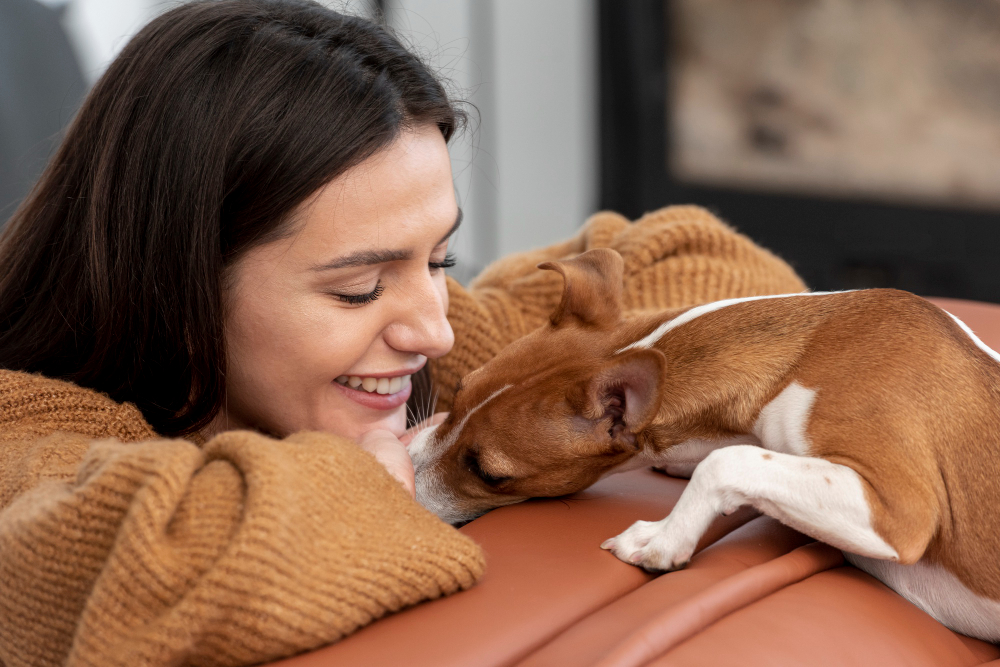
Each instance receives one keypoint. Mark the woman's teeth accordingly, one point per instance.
(376, 385)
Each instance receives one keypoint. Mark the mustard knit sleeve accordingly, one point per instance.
(674, 257)
(241, 551)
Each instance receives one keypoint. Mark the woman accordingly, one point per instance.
(212, 309)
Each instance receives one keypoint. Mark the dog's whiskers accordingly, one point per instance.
(422, 409)
(411, 417)
(427, 411)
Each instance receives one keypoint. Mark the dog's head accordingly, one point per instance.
(552, 412)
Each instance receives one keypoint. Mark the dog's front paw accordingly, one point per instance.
(652, 545)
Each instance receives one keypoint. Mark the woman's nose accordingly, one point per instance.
(421, 326)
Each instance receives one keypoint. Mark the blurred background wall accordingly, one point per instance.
(525, 171)
(40, 87)
(859, 139)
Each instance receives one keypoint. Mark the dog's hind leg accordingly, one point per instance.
(822, 499)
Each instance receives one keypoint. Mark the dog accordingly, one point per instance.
(866, 419)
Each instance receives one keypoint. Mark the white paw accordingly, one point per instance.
(653, 545)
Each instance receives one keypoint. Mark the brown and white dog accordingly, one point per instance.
(869, 420)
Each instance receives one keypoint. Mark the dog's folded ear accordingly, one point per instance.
(592, 293)
(628, 389)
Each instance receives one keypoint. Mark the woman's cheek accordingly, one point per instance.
(345, 336)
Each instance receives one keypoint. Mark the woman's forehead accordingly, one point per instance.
(400, 201)
(403, 193)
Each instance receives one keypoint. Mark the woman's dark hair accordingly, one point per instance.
(214, 123)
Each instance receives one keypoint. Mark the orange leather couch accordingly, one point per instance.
(757, 593)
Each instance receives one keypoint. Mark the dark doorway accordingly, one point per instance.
(833, 242)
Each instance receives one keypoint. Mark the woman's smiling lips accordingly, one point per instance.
(378, 393)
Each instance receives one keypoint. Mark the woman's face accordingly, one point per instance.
(325, 327)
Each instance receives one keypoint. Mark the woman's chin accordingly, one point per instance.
(354, 425)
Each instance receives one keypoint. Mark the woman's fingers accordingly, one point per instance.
(391, 453)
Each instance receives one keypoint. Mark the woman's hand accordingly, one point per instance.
(436, 419)
(391, 453)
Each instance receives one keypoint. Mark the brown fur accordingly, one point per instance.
(904, 397)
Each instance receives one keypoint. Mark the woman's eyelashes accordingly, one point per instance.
(361, 299)
(446, 263)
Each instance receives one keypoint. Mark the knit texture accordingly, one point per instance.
(675, 257)
(117, 548)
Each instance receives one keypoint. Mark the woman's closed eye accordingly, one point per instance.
(446, 263)
(362, 299)
(368, 297)
(472, 463)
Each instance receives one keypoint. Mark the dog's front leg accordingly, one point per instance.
(822, 499)
(669, 544)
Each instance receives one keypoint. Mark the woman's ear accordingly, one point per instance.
(628, 389)
(592, 294)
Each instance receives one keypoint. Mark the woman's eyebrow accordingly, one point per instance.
(364, 258)
(369, 257)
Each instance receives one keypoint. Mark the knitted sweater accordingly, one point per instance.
(118, 547)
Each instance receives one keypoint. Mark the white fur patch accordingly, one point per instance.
(821, 499)
(696, 312)
(420, 445)
(781, 424)
(939, 593)
(436, 497)
(681, 459)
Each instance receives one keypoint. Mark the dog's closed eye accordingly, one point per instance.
(473, 465)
